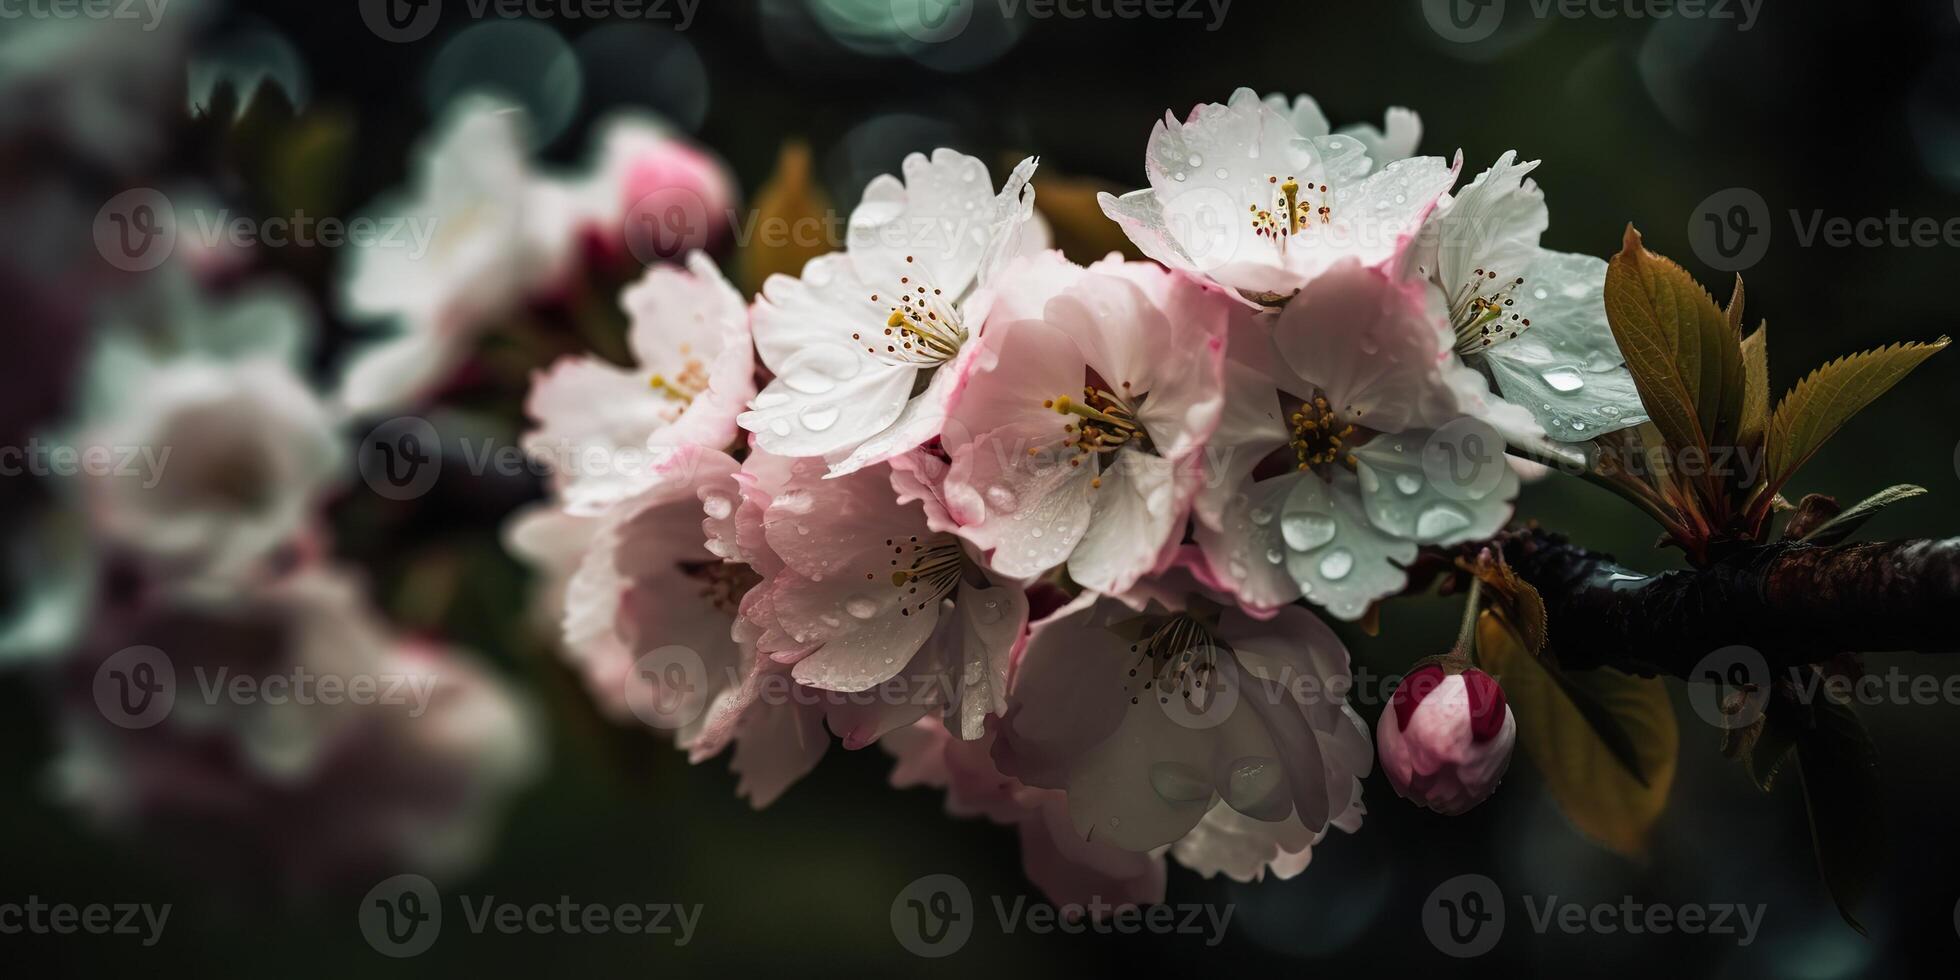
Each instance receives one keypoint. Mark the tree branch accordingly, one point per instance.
(1792, 602)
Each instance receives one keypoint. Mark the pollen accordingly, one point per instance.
(685, 385)
(1482, 311)
(1320, 436)
(1292, 211)
(922, 328)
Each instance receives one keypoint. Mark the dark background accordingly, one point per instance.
(1848, 109)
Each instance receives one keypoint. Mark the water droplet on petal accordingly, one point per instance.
(1176, 782)
(1408, 483)
(1440, 520)
(1001, 498)
(819, 419)
(718, 506)
(1337, 564)
(1564, 379)
(1257, 788)
(861, 606)
(1305, 530)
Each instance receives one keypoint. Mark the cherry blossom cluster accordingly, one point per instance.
(1062, 538)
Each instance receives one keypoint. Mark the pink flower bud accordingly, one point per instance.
(1446, 738)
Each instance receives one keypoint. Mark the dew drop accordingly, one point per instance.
(718, 506)
(1440, 520)
(861, 607)
(1337, 564)
(1305, 530)
(1564, 379)
(1176, 782)
(817, 420)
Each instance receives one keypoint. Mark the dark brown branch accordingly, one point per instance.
(1794, 603)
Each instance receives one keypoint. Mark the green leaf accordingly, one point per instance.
(1838, 766)
(1755, 388)
(1847, 523)
(1685, 357)
(1606, 743)
(1819, 405)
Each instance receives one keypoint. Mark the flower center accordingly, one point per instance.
(1098, 425)
(687, 384)
(723, 583)
(1175, 659)
(1292, 212)
(927, 569)
(923, 328)
(1480, 310)
(1320, 436)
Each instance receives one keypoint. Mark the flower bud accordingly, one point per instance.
(1446, 738)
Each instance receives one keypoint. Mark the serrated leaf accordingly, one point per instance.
(1820, 404)
(790, 199)
(1838, 766)
(1605, 742)
(1755, 386)
(1847, 523)
(1685, 358)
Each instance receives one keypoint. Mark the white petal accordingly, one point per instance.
(1402, 498)
(1345, 571)
(1135, 518)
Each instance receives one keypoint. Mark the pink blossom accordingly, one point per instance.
(1080, 438)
